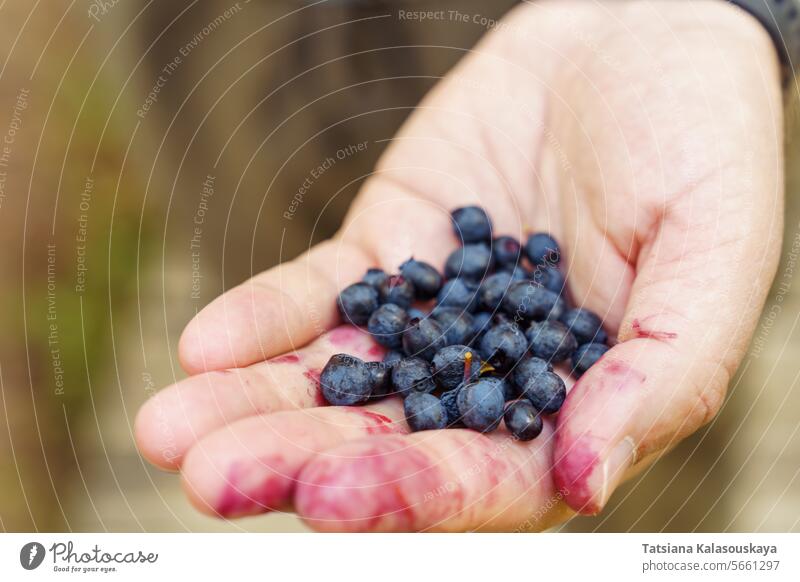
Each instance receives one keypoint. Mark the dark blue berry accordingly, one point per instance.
(424, 412)
(493, 289)
(345, 381)
(480, 404)
(387, 324)
(518, 273)
(398, 290)
(546, 391)
(392, 358)
(585, 325)
(526, 300)
(503, 345)
(381, 378)
(522, 420)
(449, 401)
(426, 280)
(458, 293)
(423, 338)
(551, 341)
(542, 249)
(374, 278)
(414, 313)
(472, 224)
(586, 356)
(456, 324)
(450, 367)
(469, 262)
(412, 375)
(549, 277)
(357, 302)
(510, 391)
(527, 368)
(506, 251)
(481, 323)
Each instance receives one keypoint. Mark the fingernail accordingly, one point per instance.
(618, 461)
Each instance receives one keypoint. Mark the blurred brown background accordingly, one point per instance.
(120, 112)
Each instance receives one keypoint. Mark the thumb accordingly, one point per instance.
(691, 312)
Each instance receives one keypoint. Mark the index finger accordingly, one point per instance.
(274, 312)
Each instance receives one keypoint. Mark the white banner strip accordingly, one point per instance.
(400, 557)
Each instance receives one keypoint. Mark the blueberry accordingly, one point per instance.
(480, 404)
(506, 251)
(542, 249)
(374, 278)
(392, 358)
(345, 381)
(423, 338)
(585, 325)
(527, 368)
(458, 293)
(586, 356)
(449, 401)
(381, 378)
(546, 391)
(414, 313)
(387, 324)
(357, 302)
(522, 420)
(450, 366)
(412, 375)
(471, 224)
(493, 289)
(503, 345)
(424, 412)
(526, 300)
(469, 262)
(549, 277)
(551, 341)
(398, 290)
(481, 323)
(510, 391)
(518, 273)
(426, 280)
(456, 323)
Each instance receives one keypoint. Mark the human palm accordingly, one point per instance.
(645, 137)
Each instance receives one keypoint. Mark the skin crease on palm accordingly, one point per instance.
(647, 137)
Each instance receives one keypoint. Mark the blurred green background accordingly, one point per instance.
(114, 139)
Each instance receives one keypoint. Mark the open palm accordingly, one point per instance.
(646, 137)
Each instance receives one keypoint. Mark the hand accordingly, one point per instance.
(647, 138)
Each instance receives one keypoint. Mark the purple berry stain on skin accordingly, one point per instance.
(577, 457)
(640, 332)
(377, 423)
(624, 375)
(246, 492)
(292, 358)
(315, 391)
(377, 487)
(572, 470)
(345, 336)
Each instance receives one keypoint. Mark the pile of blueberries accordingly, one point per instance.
(485, 350)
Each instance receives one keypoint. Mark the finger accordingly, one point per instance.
(277, 311)
(174, 419)
(252, 466)
(693, 307)
(448, 480)
(697, 208)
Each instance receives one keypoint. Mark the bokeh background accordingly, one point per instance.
(111, 143)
